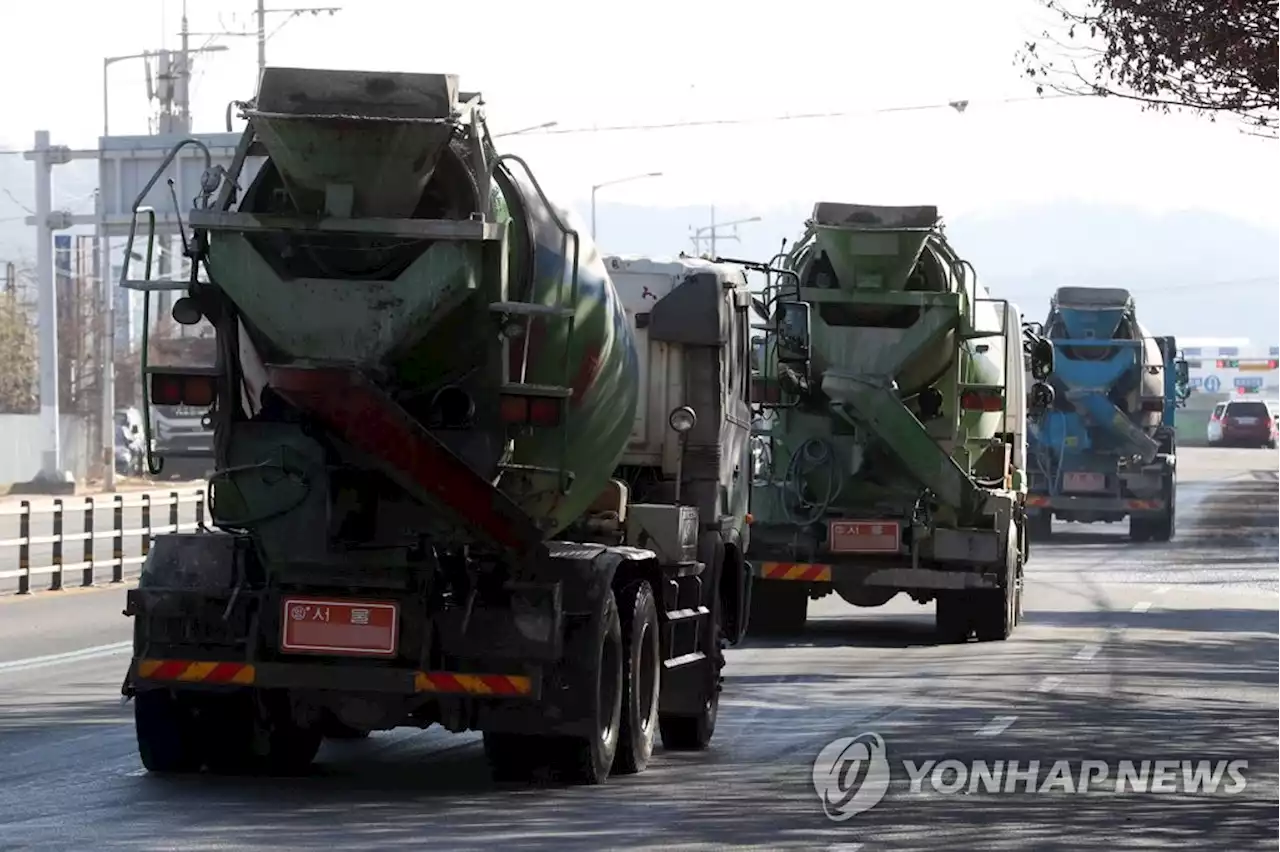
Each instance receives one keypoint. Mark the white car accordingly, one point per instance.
(1215, 423)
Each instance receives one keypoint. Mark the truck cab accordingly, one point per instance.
(668, 302)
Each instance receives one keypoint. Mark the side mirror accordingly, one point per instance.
(1042, 358)
(1183, 373)
(793, 333)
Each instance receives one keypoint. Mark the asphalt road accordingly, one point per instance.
(41, 557)
(1129, 652)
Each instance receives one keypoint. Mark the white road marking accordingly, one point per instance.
(1088, 652)
(1141, 606)
(1049, 684)
(68, 657)
(997, 726)
(844, 847)
(1162, 590)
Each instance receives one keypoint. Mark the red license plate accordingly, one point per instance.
(1075, 481)
(318, 625)
(864, 537)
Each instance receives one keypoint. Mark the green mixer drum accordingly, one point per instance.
(603, 368)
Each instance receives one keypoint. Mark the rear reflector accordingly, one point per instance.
(533, 410)
(982, 401)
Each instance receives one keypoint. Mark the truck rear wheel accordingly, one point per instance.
(781, 610)
(167, 737)
(587, 759)
(250, 736)
(1040, 525)
(1163, 527)
(513, 758)
(641, 676)
(1139, 528)
(952, 618)
(996, 610)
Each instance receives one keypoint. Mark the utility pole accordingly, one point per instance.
(697, 234)
(263, 11)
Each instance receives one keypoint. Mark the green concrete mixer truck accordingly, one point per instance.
(438, 497)
(893, 455)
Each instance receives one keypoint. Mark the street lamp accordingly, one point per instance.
(542, 126)
(613, 183)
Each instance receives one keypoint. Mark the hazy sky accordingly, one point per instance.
(592, 63)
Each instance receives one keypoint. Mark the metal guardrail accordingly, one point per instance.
(88, 565)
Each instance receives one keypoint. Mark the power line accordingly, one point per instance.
(958, 106)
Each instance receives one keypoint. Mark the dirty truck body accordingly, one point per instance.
(893, 456)
(438, 498)
(1108, 448)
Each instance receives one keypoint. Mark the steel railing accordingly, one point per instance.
(87, 508)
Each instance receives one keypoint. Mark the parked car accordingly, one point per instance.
(1243, 422)
(1214, 433)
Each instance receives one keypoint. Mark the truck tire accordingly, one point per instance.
(587, 759)
(782, 611)
(1139, 528)
(1163, 528)
(249, 737)
(997, 610)
(641, 678)
(335, 730)
(952, 617)
(513, 758)
(693, 733)
(167, 737)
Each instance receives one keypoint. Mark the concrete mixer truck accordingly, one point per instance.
(895, 458)
(1108, 447)
(445, 492)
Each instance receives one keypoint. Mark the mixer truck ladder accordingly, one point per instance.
(517, 389)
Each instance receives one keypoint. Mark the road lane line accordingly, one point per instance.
(997, 726)
(1141, 606)
(1049, 684)
(1162, 590)
(69, 657)
(1088, 652)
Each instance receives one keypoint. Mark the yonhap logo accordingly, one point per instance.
(851, 775)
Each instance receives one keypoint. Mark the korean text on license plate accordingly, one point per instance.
(360, 628)
(1079, 481)
(864, 537)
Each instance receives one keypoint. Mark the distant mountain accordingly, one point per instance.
(1192, 273)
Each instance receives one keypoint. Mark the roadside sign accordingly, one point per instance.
(1248, 381)
(1212, 384)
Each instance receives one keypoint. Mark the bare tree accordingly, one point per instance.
(1211, 57)
(19, 391)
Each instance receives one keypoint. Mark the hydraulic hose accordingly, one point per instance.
(808, 457)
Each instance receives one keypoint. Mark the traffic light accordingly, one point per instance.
(1224, 364)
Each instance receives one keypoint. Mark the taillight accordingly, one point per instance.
(982, 400)
(177, 388)
(533, 410)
